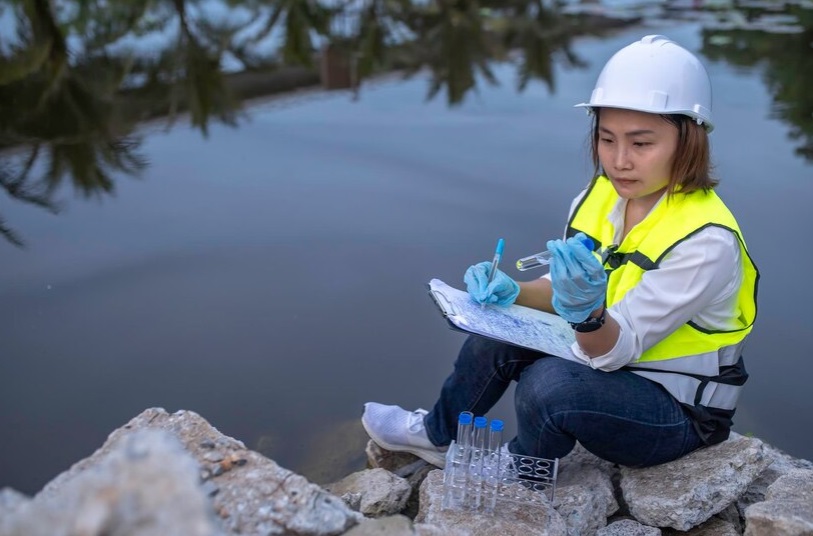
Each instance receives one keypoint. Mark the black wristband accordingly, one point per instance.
(591, 324)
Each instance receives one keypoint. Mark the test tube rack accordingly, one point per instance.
(498, 477)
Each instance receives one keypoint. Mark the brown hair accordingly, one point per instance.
(691, 167)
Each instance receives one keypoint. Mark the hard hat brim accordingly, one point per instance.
(690, 113)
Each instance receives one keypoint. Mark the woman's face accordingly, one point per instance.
(636, 150)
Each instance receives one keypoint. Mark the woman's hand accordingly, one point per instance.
(578, 279)
(501, 291)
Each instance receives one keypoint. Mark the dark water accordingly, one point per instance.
(272, 277)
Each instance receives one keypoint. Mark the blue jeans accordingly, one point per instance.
(618, 416)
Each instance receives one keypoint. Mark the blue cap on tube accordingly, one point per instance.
(588, 243)
(480, 422)
(465, 417)
(497, 425)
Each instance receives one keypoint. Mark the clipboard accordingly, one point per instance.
(517, 325)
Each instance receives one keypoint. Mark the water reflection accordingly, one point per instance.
(459, 41)
(61, 115)
(79, 76)
(75, 82)
(781, 45)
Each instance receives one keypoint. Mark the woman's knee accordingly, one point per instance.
(549, 387)
(479, 352)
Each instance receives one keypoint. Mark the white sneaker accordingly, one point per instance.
(399, 430)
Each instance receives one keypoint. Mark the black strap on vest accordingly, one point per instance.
(712, 424)
(613, 259)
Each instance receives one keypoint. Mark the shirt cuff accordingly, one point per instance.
(612, 360)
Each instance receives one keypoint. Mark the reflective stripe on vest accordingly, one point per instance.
(697, 366)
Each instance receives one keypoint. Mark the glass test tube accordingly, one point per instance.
(464, 425)
(492, 465)
(532, 261)
(478, 446)
(543, 257)
(455, 474)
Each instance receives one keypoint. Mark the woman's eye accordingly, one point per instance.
(606, 140)
(642, 143)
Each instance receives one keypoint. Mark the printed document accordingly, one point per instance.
(516, 324)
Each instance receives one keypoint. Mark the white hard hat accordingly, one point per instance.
(655, 75)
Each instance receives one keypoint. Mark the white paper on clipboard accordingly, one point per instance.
(516, 324)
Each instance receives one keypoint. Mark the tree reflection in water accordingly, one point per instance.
(785, 55)
(74, 83)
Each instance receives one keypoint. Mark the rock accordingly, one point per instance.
(688, 491)
(628, 527)
(405, 465)
(385, 526)
(254, 494)
(398, 525)
(787, 509)
(509, 518)
(353, 500)
(713, 527)
(796, 485)
(584, 498)
(779, 464)
(176, 474)
(126, 490)
(381, 493)
(424, 529)
(732, 516)
(11, 500)
(585, 495)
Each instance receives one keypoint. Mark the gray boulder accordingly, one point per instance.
(584, 498)
(378, 492)
(10, 501)
(628, 527)
(714, 527)
(508, 519)
(249, 493)
(125, 492)
(176, 474)
(584, 491)
(779, 464)
(787, 509)
(402, 464)
(686, 492)
(397, 525)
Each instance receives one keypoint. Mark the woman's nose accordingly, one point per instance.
(621, 158)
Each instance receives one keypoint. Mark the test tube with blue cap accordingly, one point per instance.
(492, 465)
(456, 473)
(464, 422)
(478, 448)
(543, 258)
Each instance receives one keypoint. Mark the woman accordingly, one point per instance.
(660, 318)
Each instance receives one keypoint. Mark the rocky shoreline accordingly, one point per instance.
(176, 474)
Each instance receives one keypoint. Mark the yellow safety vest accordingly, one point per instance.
(702, 368)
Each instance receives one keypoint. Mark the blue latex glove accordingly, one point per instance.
(501, 291)
(578, 279)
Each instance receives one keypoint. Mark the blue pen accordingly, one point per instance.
(495, 262)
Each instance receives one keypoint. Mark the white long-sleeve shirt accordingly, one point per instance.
(698, 280)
